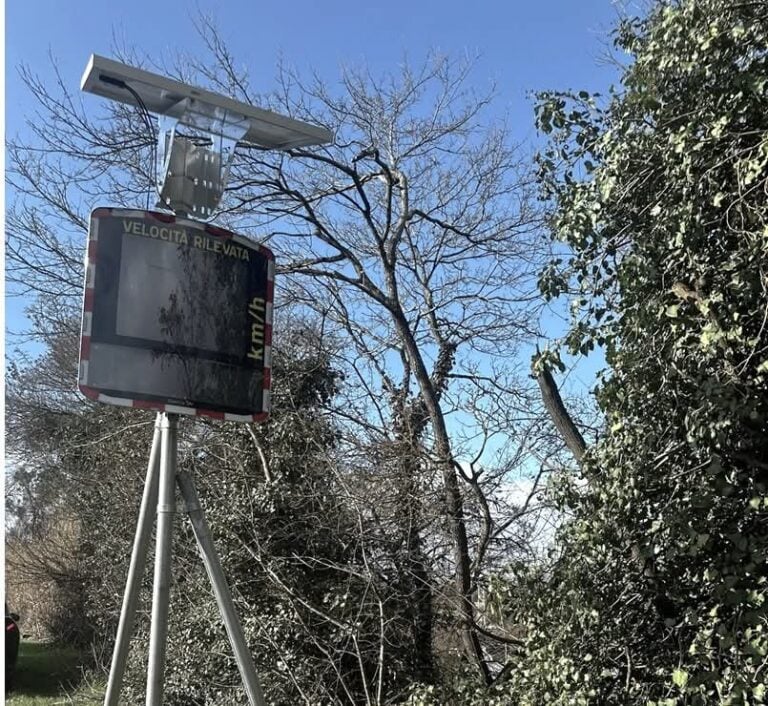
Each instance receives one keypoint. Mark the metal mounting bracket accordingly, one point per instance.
(192, 170)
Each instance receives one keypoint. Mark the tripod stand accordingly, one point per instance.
(159, 490)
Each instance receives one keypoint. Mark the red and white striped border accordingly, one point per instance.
(85, 338)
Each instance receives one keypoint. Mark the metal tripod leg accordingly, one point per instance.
(135, 572)
(221, 590)
(166, 506)
(162, 475)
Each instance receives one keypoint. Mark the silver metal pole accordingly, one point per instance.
(221, 590)
(161, 591)
(135, 573)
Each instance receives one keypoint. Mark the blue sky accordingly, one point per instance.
(522, 45)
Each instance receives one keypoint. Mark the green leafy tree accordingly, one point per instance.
(315, 605)
(659, 593)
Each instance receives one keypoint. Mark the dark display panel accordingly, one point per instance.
(178, 314)
(183, 296)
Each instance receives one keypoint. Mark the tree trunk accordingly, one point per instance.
(454, 509)
(421, 611)
(559, 414)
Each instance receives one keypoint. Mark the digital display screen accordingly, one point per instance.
(176, 312)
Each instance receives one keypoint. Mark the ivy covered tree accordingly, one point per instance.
(659, 593)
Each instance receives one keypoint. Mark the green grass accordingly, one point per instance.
(47, 675)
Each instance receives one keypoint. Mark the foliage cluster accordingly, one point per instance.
(659, 595)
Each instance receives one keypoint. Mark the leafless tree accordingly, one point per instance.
(413, 239)
(414, 235)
